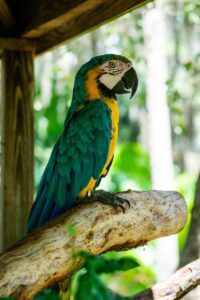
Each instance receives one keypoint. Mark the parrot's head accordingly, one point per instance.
(108, 75)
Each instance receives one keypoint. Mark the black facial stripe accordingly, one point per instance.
(106, 92)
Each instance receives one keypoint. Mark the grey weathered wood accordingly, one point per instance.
(18, 142)
(178, 285)
(46, 255)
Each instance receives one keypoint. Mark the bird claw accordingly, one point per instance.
(107, 198)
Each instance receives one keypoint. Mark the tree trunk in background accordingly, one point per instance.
(191, 250)
(93, 41)
(1, 150)
(159, 123)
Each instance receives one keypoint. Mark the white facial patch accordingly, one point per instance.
(112, 77)
(110, 80)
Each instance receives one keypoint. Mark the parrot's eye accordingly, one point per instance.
(111, 65)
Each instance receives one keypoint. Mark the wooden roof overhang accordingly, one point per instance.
(47, 23)
(29, 27)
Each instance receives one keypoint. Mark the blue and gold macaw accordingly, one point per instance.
(84, 152)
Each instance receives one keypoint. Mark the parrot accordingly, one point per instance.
(84, 151)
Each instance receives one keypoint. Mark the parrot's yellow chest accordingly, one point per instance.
(113, 105)
(93, 93)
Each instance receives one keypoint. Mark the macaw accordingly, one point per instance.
(84, 151)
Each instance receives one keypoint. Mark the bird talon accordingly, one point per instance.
(106, 198)
(122, 201)
(128, 202)
(123, 209)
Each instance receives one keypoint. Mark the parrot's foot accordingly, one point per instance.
(107, 198)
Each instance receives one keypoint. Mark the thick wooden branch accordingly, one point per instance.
(45, 257)
(181, 283)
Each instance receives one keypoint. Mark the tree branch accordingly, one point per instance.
(181, 283)
(45, 257)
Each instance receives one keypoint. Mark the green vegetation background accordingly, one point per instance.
(55, 72)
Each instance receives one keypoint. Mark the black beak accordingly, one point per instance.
(128, 81)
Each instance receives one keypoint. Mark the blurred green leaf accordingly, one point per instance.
(71, 230)
(188, 65)
(92, 288)
(131, 163)
(90, 283)
(100, 264)
(47, 294)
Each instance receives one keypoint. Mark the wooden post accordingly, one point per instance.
(18, 142)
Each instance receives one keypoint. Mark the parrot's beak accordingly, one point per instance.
(129, 82)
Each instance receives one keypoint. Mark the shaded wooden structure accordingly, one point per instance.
(28, 28)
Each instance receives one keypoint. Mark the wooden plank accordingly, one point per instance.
(41, 16)
(53, 22)
(18, 142)
(17, 44)
(7, 22)
(76, 20)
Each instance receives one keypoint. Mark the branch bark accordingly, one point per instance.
(179, 284)
(45, 257)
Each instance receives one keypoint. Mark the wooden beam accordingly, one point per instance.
(56, 22)
(39, 17)
(53, 22)
(7, 22)
(18, 142)
(45, 257)
(17, 44)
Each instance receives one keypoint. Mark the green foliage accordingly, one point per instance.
(101, 264)
(131, 168)
(47, 294)
(131, 281)
(90, 283)
(71, 230)
(185, 184)
(192, 11)
(90, 280)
